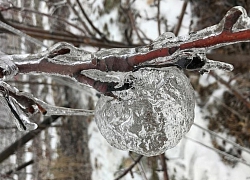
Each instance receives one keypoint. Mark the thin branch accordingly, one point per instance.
(21, 34)
(132, 22)
(237, 94)
(142, 171)
(164, 166)
(183, 10)
(80, 19)
(91, 23)
(23, 140)
(130, 167)
(226, 155)
(74, 39)
(47, 15)
(158, 17)
(22, 166)
(14, 127)
(224, 139)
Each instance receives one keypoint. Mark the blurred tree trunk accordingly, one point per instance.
(74, 139)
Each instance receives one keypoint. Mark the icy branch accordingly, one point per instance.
(186, 52)
(147, 103)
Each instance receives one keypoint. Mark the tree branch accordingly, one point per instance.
(24, 165)
(171, 50)
(130, 167)
(23, 140)
(183, 10)
(81, 66)
(237, 94)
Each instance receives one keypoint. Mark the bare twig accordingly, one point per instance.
(130, 167)
(21, 34)
(164, 166)
(224, 139)
(158, 17)
(14, 127)
(80, 19)
(24, 165)
(47, 15)
(183, 10)
(70, 38)
(226, 155)
(132, 22)
(91, 23)
(23, 140)
(142, 171)
(234, 91)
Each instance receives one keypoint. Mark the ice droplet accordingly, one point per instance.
(150, 117)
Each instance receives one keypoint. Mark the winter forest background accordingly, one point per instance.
(71, 147)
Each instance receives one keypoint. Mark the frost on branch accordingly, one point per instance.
(8, 67)
(151, 116)
(147, 103)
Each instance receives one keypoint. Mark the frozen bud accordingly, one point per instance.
(8, 69)
(150, 117)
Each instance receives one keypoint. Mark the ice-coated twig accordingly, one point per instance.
(23, 106)
(8, 68)
(186, 52)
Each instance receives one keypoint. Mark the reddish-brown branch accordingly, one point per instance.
(123, 63)
(129, 62)
(224, 37)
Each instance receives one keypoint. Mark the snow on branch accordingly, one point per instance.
(147, 103)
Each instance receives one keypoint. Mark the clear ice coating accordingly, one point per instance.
(150, 117)
(156, 106)
(19, 103)
(21, 119)
(8, 67)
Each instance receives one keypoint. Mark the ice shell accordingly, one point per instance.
(152, 116)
